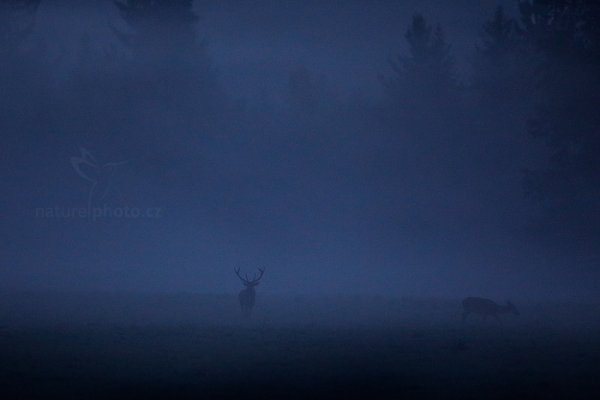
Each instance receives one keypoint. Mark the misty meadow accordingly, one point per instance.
(299, 199)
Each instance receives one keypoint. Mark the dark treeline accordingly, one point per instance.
(502, 155)
(534, 74)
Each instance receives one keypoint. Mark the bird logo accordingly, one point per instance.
(100, 176)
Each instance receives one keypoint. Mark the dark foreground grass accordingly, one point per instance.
(414, 350)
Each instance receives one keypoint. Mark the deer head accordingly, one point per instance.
(250, 282)
(511, 308)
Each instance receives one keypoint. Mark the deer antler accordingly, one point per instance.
(254, 277)
(262, 271)
(237, 272)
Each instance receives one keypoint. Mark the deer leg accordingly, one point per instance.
(245, 310)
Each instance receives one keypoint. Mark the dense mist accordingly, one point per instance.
(356, 168)
(356, 147)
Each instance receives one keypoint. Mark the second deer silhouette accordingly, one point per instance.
(486, 308)
(247, 296)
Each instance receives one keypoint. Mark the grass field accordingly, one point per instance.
(90, 346)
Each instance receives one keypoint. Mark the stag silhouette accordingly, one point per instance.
(247, 296)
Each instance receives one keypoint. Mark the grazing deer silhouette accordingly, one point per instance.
(247, 296)
(486, 308)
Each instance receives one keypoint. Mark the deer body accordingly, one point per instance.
(486, 308)
(247, 299)
(247, 296)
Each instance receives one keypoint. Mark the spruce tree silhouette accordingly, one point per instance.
(566, 120)
(425, 79)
